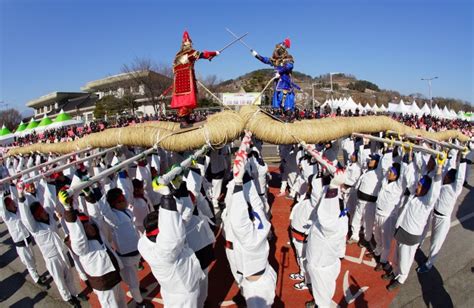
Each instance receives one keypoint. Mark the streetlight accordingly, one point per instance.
(330, 77)
(429, 86)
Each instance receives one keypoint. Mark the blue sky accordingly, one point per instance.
(60, 45)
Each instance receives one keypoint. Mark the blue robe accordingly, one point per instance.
(283, 95)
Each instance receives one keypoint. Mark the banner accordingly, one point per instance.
(240, 99)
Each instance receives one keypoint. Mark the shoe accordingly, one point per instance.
(81, 297)
(423, 269)
(394, 284)
(296, 276)
(380, 266)
(42, 284)
(74, 302)
(300, 286)
(388, 276)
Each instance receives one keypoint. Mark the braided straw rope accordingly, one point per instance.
(225, 126)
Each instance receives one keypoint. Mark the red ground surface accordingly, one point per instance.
(358, 285)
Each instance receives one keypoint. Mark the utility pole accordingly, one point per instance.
(429, 87)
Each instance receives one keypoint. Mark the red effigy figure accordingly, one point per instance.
(184, 87)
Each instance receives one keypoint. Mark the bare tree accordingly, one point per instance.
(152, 78)
(10, 118)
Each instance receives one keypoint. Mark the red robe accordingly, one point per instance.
(184, 86)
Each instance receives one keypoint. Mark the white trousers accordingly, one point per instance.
(439, 231)
(203, 287)
(364, 214)
(216, 191)
(323, 282)
(62, 277)
(231, 259)
(404, 260)
(341, 248)
(384, 230)
(300, 249)
(260, 293)
(113, 298)
(27, 257)
(350, 201)
(288, 179)
(129, 274)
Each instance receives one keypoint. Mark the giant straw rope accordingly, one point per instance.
(225, 126)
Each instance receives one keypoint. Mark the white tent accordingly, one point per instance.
(383, 108)
(436, 112)
(351, 105)
(425, 109)
(415, 109)
(446, 113)
(367, 107)
(453, 114)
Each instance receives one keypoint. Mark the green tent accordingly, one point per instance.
(21, 127)
(45, 121)
(4, 131)
(33, 124)
(62, 116)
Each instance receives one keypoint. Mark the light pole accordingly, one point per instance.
(330, 78)
(429, 87)
(312, 94)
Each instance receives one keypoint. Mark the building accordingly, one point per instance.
(145, 86)
(78, 104)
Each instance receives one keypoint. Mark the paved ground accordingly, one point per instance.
(449, 284)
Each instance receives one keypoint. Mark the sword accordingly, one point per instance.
(233, 42)
(239, 38)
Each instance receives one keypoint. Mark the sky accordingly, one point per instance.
(60, 45)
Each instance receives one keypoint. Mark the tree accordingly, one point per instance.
(109, 105)
(10, 118)
(154, 79)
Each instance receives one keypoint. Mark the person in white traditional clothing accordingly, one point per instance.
(250, 228)
(140, 205)
(368, 187)
(20, 236)
(387, 210)
(349, 193)
(410, 225)
(217, 168)
(41, 224)
(443, 208)
(125, 238)
(323, 246)
(173, 263)
(101, 264)
(199, 235)
(300, 224)
(288, 168)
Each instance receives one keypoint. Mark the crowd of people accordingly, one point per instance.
(377, 193)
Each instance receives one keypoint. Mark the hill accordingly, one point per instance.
(344, 85)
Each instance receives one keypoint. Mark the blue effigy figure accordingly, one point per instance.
(282, 61)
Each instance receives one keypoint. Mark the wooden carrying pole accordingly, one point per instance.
(400, 143)
(63, 167)
(165, 179)
(80, 186)
(21, 173)
(430, 140)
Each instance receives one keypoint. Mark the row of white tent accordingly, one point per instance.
(400, 108)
